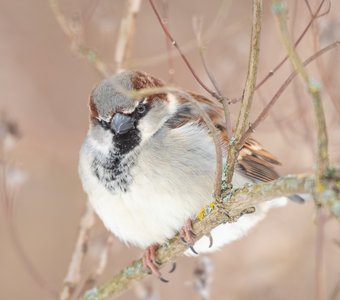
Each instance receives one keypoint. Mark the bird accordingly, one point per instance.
(147, 165)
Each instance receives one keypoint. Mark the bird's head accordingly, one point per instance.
(126, 122)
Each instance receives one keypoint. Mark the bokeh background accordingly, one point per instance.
(44, 88)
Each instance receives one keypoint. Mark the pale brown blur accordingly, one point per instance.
(45, 88)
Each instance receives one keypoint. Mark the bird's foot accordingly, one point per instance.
(150, 262)
(187, 235)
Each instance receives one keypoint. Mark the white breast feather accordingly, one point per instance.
(173, 180)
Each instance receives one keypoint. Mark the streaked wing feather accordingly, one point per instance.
(256, 162)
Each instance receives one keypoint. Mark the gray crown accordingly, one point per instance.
(108, 96)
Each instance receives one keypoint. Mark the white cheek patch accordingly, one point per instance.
(150, 124)
(101, 140)
(156, 117)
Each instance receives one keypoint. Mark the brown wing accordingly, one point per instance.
(256, 162)
(253, 161)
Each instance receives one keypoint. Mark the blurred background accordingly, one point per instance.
(44, 88)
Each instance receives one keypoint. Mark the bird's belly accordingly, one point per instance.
(147, 214)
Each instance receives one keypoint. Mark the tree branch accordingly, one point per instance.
(322, 161)
(236, 204)
(248, 92)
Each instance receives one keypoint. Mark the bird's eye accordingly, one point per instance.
(104, 124)
(141, 108)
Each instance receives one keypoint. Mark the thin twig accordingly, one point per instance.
(235, 203)
(202, 277)
(87, 14)
(126, 32)
(281, 126)
(285, 84)
(146, 291)
(302, 113)
(248, 92)
(73, 275)
(175, 44)
(313, 88)
(76, 40)
(103, 258)
(297, 42)
(223, 99)
(215, 30)
(319, 63)
(319, 15)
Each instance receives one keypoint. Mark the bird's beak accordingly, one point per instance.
(121, 124)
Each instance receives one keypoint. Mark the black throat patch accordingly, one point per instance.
(113, 170)
(126, 142)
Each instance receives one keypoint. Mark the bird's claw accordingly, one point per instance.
(193, 249)
(150, 262)
(211, 241)
(187, 235)
(163, 279)
(173, 267)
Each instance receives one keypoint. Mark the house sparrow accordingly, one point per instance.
(148, 165)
